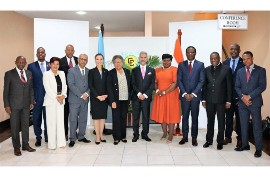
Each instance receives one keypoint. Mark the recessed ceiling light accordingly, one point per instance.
(97, 27)
(81, 12)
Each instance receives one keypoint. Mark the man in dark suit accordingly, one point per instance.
(190, 80)
(216, 97)
(235, 63)
(143, 84)
(38, 68)
(249, 85)
(67, 62)
(18, 101)
(78, 99)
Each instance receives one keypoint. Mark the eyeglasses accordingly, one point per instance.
(83, 59)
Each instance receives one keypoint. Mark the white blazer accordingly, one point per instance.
(50, 86)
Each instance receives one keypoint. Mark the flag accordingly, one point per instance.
(178, 54)
(101, 45)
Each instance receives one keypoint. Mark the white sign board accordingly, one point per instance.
(233, 21)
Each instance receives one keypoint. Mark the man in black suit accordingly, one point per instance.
(216, 97)
(18, 100)
(143, 84)
(68, 61)
(235, 63)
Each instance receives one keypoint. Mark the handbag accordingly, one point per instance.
(266, 127)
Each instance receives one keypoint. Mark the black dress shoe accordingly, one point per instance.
(103, 141)
(227, 141)
(207, 144)
(219, 146)
(29, 149)
(17, 152)
(38, 143)
(135, 138)
(116, 142)
(124, 140)
(194, 142)
(84, 140)
(245, 148)
(71, 144)
(146, 138)
(97, 143)
(239, 144)
(258, 153)
(46, 140)
(183, 141)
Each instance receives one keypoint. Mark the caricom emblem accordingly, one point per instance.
(131, 61)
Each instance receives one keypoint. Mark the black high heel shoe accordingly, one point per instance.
(103, 141)
(116, 142)
(124, 140)
(97, 143)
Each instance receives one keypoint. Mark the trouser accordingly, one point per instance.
(38, 110)
(119, 115)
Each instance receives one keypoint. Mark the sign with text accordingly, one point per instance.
(233, 21)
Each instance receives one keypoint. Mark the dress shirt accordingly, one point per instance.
(19, 72)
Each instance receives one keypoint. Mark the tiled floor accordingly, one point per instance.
(141, 153)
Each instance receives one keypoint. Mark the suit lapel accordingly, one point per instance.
(48, 66)
(79, 73)
(38, 67)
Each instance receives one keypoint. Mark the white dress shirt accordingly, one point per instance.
(19, 72)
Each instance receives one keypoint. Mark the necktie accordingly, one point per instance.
(42, 67)
(248, 74)
(70, 64)
(83, 72)
(22, 77)
(143, 72)
(233, 65)
(190, 67)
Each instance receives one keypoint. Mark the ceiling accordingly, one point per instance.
(113, 21)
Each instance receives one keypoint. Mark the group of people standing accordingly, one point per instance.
(59, 91)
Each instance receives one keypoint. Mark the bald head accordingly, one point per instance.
(69, 51)
(235, 50)
(20, 62)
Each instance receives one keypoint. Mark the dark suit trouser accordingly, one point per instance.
(37, 120)
(245, 113)
(77, 119)
(119, 116)
(66, 115)
(139, 106)
(229, 121)
(212, 110)
(187, 107)
(19, 119)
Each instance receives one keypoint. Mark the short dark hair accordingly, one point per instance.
(248, 53)
(53, 59)
(117, 56)
(216, 54)
(191, 48)
(166, 55)
(98, 55)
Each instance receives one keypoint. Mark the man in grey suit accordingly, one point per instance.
(78, 99)
(18, 100)
(249, 85)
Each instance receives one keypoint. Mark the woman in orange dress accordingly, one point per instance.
(166, 105)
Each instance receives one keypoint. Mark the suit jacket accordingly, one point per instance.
(39, 91)
(50, 86)
(16, 94)
(113, 87)
(191, 82)
(146, 85)
(97, 85)
(240, 64)
(218, 84)
(64, 64)
(77, 84)
(254, 87)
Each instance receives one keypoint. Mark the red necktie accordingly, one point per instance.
(70, 64)
(22, 77)
(248, 74)
(190, 67)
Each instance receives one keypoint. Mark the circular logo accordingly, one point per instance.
(131, 61)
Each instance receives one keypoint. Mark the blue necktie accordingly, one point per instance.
(42, 67)
(233, 65)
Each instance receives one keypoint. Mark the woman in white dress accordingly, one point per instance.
(54, 82)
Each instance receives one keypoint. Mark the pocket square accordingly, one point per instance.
(149, 73)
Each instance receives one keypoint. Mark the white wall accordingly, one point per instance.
(55, 35)
(205, 37)
(128, 45)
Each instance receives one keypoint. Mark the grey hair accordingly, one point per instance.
(117, 56)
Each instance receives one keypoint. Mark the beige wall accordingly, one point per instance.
(17, 38)
(255, 39)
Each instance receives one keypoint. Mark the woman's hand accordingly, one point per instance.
(60, 98)
(114, 105)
